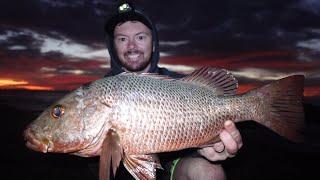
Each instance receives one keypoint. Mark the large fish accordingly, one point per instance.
(132, 117)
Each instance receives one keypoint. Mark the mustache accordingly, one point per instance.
(133, 52)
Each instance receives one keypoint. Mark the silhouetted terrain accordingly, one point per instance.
(264, 155)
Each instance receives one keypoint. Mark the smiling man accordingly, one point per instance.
(133, 42)
(133, 47)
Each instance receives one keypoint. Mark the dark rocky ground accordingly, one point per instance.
(264, 155)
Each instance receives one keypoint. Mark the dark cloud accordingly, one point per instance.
(312, 6)
(221, 25)
(79, 21)
(235, 25)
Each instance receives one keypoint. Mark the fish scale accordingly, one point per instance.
(174, 111)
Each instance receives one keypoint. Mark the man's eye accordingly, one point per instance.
(122, 39)
(141, 37)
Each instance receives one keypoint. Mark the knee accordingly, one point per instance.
(198, 168)
(213, 172)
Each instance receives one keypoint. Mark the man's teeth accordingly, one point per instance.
(133, 56)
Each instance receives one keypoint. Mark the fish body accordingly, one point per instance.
(131, 117)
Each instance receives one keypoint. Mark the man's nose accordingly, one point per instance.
(132, 44)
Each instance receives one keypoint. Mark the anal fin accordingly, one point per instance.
(111, 155)
(142, 166)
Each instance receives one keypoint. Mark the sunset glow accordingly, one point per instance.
(20, 84)
(311, 91)
(35, 88)
(11, 82)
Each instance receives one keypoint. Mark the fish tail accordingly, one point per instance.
(282, 107)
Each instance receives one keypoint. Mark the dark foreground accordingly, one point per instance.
(263, 156)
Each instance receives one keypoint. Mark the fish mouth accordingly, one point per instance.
(36, 144)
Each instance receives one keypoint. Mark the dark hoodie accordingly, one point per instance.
(132, 14)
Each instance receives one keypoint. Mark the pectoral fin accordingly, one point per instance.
(142, 166)
(111, 155)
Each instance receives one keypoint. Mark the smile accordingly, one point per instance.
(133, 56)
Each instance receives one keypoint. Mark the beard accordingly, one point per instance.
(135, 65)
(138, 68)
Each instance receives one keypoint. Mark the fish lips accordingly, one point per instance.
(42, 145)
(45, 145)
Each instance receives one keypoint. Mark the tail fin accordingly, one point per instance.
(283, 105)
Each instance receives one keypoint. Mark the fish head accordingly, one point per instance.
(61, 128)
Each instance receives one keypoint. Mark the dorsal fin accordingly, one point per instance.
(220, 81)
(153, 75)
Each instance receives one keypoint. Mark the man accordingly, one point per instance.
(133, 47)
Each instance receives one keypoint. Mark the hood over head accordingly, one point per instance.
(126, 12)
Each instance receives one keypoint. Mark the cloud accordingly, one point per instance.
(312, 44)
(263, 74)
(178, 68)
(73, 71)
(163, 54)
(174, 43)
(17, 47)
(52, 42)
(98, 7)
(9, 34)
(77, 3)
(311, 6)
(315, 74)
(72, 49)
(62, 3)
(47, 69)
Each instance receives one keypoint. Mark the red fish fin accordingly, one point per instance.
(111, 155)
(211, 142)
(283, 99)
(220, 81)
(142, 166)
(153, 75)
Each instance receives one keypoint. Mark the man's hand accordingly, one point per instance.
(231, 142)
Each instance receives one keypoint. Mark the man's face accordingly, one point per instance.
(133, 44)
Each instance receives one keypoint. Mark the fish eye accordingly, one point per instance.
(57, 111)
